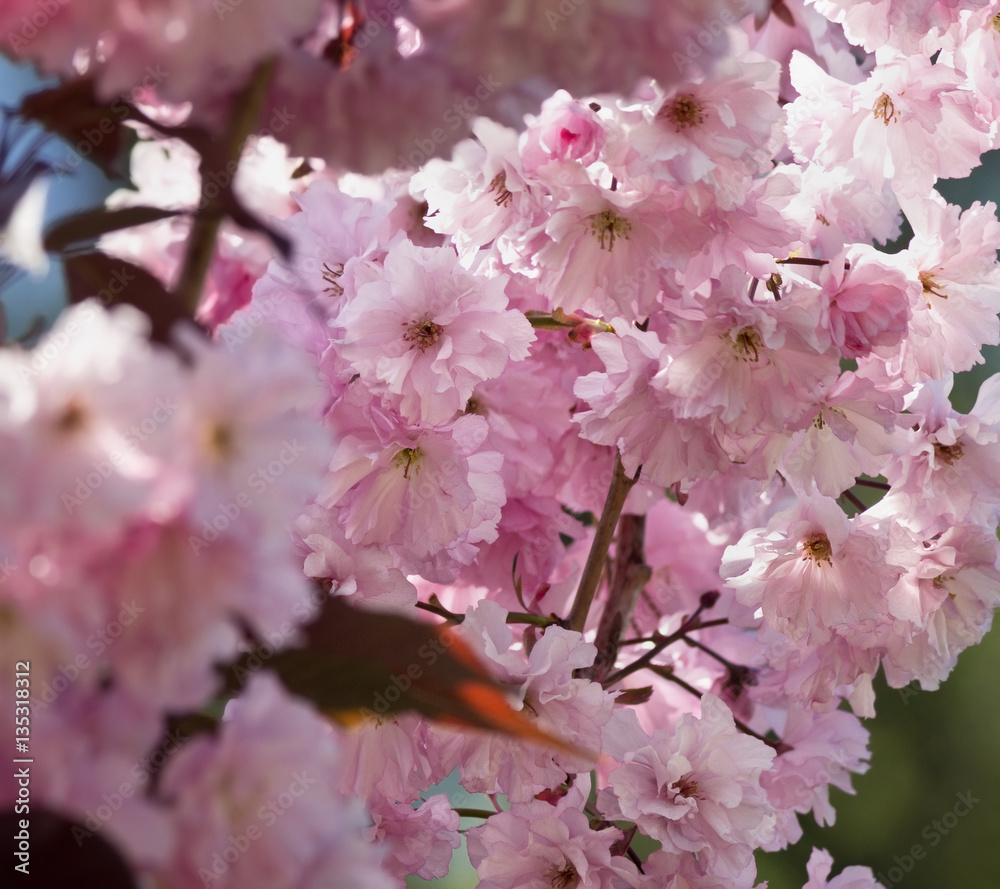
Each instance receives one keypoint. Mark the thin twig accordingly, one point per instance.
(691, 623)
(668, 674)
(441, 611)
(856, 501)
(871, 483)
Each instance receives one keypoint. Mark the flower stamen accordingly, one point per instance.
(406, 458)
(948, 453)
(608, 224)
(684, 112)
(885, 109)
(422, 334)
(687, 787)
(330, 275)
(818, 549)
(499, 185)
(748, 345)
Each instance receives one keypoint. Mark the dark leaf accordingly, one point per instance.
(633, 696)
(114, 281)
(91, 224)
(245, 219)
(93, 128)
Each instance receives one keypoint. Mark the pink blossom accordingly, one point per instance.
(869, 301)
(87, 422)
(855, 877)
(684, 560)
(851, 435)
(597, 239)
(482, 196)
(697, 789)
(364, 573)
(823, 749)
(722, 131)
(429, 332)
(631, 410)
(175, 47)
(541, 846)
(262, 787)
(946, 471)
(564, 130)
(953, 257)
(913, 27)
(526, 409)
(889, 127)
(418, 841)
(801, 28)
(751, 365)
(391, 758)
(251, 452)
(813, 572)
(948, 598)
(430, 495)
(332, 234)
(839, 207)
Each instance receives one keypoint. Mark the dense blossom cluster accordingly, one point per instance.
(672, 291)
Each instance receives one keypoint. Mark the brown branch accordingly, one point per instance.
(621, 484)
(628, 577)
(208, 221)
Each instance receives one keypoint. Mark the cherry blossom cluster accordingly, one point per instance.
(668, 289)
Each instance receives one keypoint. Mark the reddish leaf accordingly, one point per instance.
(355, 660)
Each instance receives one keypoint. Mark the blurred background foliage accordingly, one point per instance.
(927, 747)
